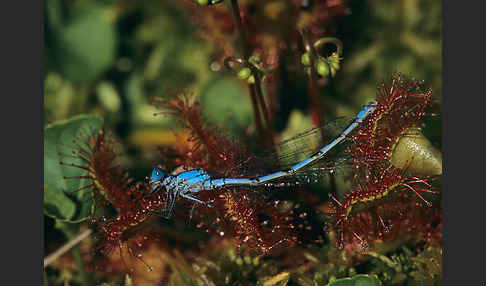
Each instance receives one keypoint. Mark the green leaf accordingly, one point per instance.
(357, 280)
(108, 96)
(86, 46)
(56, 204)
(225, 102)
(53, 11)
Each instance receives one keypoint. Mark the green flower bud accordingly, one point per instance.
(251, 79)
(255, 59)
(305, 59)
(416, 153)
(207, 2)
(322, 67)
(244, 73)
(334, 61)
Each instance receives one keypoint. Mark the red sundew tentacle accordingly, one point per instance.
(362, 209)
(139, 257)
(129, 270)
(74, 156)
(363, 242)
(243, 223)
(97, 154)
(382, 223)
(75, 165)
(418, 180)
(80, 189)
(420, 196)
(209, 150)
(426, 191)
(114, 233)
(335, 200)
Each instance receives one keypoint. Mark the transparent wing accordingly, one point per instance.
(298, 148)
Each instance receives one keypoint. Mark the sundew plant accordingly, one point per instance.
(242, 142)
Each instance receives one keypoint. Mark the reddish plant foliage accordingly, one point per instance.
(385, 200)
(209, 147)
(126, 228)
(401, 105)
(383, 203)
(281, 19)
(130, 219)
(381, 207)
(96, 152)
(214, 152)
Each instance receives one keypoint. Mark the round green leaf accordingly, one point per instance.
(226, 102)
(86, 46)
(59, 137)
(357, 280)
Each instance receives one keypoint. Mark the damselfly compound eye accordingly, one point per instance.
(157, 175)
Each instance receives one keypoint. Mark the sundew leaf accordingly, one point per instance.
(357, 280)
(57, 204)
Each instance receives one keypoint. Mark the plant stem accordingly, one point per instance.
(335, 41)
(78, 260)
(258, 120)
(259, 95)
(256, 94)
(66, 247)
(312, 87)
(72, 245)
(312, 79)
(46, 282)
(241, 31)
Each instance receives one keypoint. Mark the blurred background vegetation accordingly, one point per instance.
(109, 57)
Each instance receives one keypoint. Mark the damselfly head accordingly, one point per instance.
(156, 178)
(157, 175)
